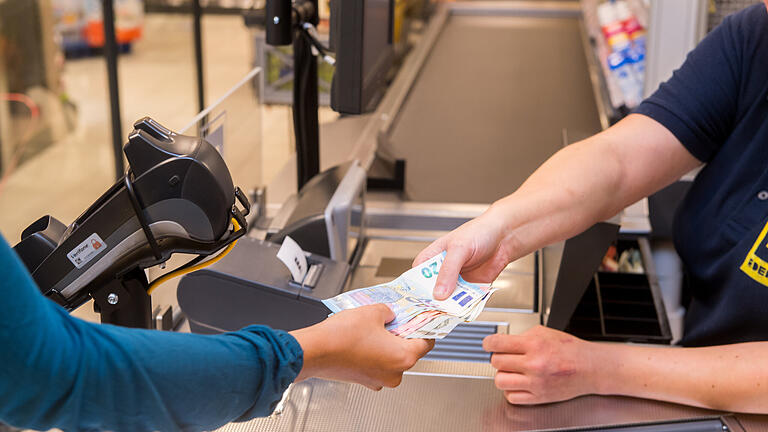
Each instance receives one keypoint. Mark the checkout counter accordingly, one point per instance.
(487, 53)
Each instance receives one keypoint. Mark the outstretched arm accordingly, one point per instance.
(581, 184)
(59, 371)
(545, 365)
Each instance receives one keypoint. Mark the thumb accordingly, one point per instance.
(449, 272)
(383, 312)
(420, 347)
(433, 249)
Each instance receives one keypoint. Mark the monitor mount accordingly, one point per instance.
(294, 23)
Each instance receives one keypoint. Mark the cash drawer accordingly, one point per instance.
(623, 307)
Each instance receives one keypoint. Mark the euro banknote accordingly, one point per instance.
(417, 313)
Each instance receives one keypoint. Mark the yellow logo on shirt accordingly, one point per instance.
(756, 263)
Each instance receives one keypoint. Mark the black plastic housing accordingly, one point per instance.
(278, 23)
(361, 36)
(180, 183)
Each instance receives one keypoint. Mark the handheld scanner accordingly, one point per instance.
(177, 196)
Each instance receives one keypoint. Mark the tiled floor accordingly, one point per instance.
(156, 79)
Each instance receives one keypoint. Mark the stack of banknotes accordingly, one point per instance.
(417, 313)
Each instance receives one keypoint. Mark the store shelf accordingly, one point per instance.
(220, 7)
(601, 50)
(640, 8)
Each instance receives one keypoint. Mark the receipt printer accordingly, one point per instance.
(251, 286)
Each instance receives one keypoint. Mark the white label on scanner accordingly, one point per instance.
(293, 257)
(86, 251)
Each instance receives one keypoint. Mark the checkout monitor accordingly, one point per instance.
(361, 36)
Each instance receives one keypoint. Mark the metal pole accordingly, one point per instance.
(305, 106)
(305, 121)
(110, 54)
(198, 36)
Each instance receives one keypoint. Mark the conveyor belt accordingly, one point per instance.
(490, 104)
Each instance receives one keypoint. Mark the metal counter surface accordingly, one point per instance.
(432, 403)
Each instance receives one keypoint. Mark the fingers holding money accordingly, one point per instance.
(354, 346)
(420, 347)
(476, 249)
(436, 247)
(455, 258)
(401, 356)
(384, 312)
(485, 270)
(458, 253)
(417, 315)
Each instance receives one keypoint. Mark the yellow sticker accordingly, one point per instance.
(756, 263)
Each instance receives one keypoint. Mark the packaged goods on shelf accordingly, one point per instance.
(80, 27)
(625, 37)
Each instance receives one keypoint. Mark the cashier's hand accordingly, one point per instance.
(541, 365)
(354, 346)
(479, 250)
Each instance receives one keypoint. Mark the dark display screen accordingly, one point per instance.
(361, 36)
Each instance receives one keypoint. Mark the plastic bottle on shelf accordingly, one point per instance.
(619, 42)
(622, 71)
(624, 14)
(636, 60)
(630, 24)
(612, 27)
(638, 41)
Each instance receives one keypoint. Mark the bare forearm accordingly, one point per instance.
(729, 377)
(566, 195)
(591, 181)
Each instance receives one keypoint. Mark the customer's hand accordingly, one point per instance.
(542, 365)
(478, 250)
(354, 346)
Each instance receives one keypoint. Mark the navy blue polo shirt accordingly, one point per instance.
(716, 105)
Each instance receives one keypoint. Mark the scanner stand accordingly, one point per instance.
(124, 301)
(121, 300)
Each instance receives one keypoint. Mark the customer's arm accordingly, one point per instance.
(58, 371)
(544, 365)
(583, 183)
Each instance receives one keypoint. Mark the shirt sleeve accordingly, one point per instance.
(59, 371)
(698, 104)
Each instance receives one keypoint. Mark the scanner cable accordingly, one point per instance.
(193, 265)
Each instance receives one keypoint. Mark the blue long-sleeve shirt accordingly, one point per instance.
(60, 371)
